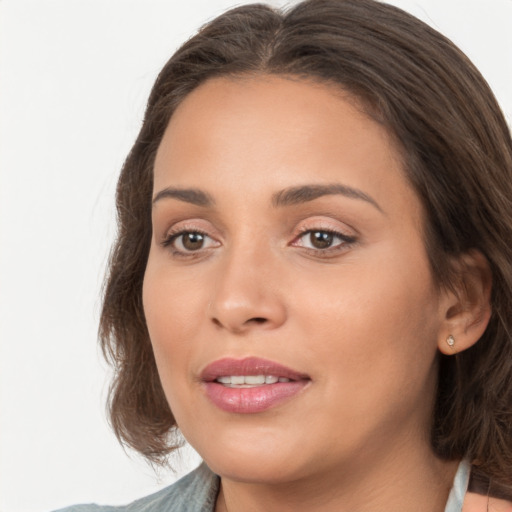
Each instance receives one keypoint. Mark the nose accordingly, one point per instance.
(248, 293)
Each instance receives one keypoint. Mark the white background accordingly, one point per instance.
(74, 77)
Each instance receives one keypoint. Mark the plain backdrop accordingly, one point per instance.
(74, 78)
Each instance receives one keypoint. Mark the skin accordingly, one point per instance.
(479, 503)
(363, 319)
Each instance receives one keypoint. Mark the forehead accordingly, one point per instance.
(270, 132)
(284, 105)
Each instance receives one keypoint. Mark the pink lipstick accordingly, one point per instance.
(250, 385)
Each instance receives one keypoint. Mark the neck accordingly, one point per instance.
(419, 483)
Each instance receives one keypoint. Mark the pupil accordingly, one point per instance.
(193, 241)
(321, 239)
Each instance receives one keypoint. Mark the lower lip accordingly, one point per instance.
(252, 400)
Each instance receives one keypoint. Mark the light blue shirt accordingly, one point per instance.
(460, 486)
(197, 492)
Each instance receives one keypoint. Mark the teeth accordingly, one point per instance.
(250, 380)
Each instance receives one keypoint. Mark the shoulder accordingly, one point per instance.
(474, 502)
(195, 492)
(485, 495)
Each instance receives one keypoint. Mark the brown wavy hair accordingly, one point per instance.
(457, 154)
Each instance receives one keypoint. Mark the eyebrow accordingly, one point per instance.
(305, 193)
(287, 197)
(188, 195)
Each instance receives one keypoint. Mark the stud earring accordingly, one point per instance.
(451, 341)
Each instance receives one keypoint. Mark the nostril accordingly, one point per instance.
(257, 320)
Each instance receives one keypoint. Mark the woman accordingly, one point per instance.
(312, 278)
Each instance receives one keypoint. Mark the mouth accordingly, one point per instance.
(250, 385)
(249, 381)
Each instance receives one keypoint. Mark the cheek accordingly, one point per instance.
(174, 311)
(374, 326)
(172, 299)
(368, 297)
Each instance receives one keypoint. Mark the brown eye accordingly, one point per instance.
(187, 242)
(324, 241)
(192, 241)
(321, 239)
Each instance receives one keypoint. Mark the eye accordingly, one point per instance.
(323, 240)
(184, 242)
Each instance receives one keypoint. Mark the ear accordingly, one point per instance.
(466, 307)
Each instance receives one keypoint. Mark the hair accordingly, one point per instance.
(457, 154)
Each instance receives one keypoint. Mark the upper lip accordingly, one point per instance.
(248, 366)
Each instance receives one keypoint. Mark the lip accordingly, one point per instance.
(255, 399)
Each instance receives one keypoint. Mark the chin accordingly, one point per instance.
(255, 470)
(258, 457)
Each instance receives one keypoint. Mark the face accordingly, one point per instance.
(287, 248)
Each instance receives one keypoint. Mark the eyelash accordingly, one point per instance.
(172, 236)
(346, 242)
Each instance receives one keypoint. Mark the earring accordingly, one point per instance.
(451, 341)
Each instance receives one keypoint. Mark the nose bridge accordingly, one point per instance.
(247, 292)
